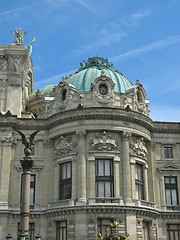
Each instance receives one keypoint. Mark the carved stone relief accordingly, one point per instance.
(65, 146)
(17, 70)
(3, 64)
(8, 140)
(138, 148)
(63, 94)
(103, 143)
(103, 90)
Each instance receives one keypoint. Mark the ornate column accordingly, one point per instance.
(82, 166)
(26, 164)
(126, 167)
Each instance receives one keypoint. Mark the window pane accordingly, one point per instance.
(101, 189)
(168, 152)
(63, 171)
(32, 178)
(107, 189)
(173, 180)
(107, 168)
(100, 168)
(68, 170)
(64, 233)
(168, 197)
(31, 202)
(166, 179)
(174, 197)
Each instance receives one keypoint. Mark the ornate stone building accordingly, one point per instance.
(97, 155)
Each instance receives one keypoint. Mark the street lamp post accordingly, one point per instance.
(27, 164)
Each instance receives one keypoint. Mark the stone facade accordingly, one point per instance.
(97, 155)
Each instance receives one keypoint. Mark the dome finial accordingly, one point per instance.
(96, 61)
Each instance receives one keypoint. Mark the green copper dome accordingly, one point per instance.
(86, 75)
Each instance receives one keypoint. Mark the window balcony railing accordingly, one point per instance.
(173, 207)
(65, 202)
(144, 203)
(105, 200)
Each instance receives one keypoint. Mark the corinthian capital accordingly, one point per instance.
(81, 133)
(126, 135)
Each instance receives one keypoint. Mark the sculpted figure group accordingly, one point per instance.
(113, 224)
(18, 35)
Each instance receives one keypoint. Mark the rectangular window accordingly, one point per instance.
(102, 225)
(32, 150)
(171, 191)
(146, 231)
(139, 181)
(61, 230)
(173, 231)
(32, 190)
(168, 152)
(104, 178)
(31, 231)
(65, 181)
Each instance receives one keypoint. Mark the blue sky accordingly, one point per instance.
(141, 38)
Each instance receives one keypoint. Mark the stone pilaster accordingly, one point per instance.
(74, 178)
(91, 161)
(50, 179)
(116, 178)
(133, 186)
(6, 145)
(146, 192)
(82, 165)
(126, 167)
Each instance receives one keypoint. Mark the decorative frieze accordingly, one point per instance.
(7, 139)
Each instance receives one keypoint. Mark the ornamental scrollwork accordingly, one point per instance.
(103, 143)
(8, 139)
(65, 146)
(138, 148)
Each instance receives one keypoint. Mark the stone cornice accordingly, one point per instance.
(166, 127)
(87, 114)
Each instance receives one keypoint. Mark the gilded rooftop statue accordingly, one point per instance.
(18, 35)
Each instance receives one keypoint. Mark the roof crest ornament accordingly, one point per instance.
(98, 62)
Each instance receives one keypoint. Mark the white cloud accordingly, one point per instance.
(86, 5)
(152, 46)
(113, 32)
(17, 10)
